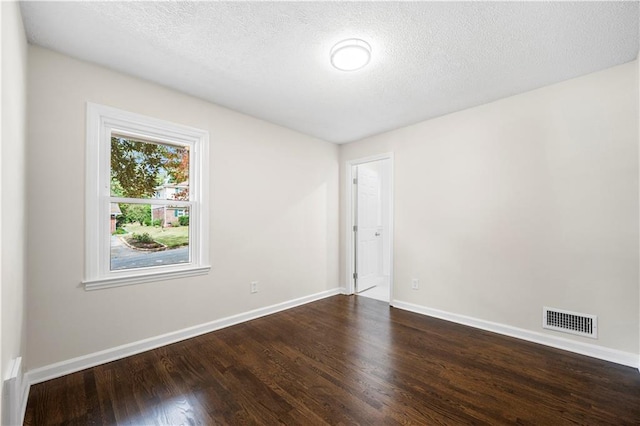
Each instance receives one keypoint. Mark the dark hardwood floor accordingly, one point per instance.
(344, 360)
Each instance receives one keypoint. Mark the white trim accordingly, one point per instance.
(12, 399)
(102, 121)
(350, 288)
(144, 278)
(152, 201)
(18, 403)
(638, 99)
(26, 387)
(588, 349)
(73, 365)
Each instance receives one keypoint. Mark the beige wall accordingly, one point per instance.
(274, 215)
(500, 209)
(12, 184)
(525, 202)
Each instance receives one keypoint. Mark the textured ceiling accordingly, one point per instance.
(271, 59)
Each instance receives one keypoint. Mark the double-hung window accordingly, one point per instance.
(146, 199)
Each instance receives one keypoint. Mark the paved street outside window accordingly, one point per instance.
(123, 257)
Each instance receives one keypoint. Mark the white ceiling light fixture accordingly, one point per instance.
(351, 54)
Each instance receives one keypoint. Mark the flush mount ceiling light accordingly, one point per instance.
(351, 54)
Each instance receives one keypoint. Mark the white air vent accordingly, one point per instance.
(570, 322)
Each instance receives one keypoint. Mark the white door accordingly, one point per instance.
(368, 228)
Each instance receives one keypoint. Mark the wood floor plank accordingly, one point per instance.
(341, 361)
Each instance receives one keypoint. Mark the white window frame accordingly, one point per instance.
(101, 122)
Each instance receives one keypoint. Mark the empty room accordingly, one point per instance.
(319, 213)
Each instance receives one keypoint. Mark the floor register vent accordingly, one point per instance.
(570, 322)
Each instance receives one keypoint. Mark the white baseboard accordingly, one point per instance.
(26, 386)
(12, 395)
(595, 351)
(73, 365)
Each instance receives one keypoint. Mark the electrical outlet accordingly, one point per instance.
(254, 287)
(415, 284)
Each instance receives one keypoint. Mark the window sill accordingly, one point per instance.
(103, 283)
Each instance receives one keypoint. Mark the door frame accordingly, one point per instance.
(349, 215)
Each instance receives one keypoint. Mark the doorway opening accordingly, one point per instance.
(371, 227)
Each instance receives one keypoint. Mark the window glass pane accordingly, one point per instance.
(146, 235)
(142, 169)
